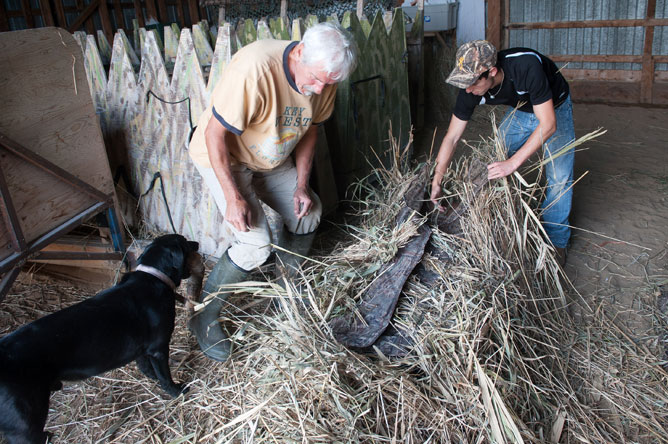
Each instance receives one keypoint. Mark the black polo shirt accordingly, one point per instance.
(529, 78)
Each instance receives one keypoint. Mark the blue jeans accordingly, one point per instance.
(515, 129)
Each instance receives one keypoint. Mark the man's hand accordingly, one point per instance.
(436, 194)
(303, 202)
(238, 214)
(498, 170)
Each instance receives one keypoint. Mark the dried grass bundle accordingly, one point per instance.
(495, 357)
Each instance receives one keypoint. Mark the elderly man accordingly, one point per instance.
(527, 80)
(256, 141)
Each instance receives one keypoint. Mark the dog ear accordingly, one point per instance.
(193, 246)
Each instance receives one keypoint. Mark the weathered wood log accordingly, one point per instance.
(377, 307)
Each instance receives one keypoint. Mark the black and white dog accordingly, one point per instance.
(132, 321)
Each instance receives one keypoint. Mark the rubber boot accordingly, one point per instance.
(213, 342)
(287, 264)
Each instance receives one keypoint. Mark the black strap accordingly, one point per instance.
(157, 176)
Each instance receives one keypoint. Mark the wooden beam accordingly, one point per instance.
(194, 12)
(151, 11)
(494, 23)
(360, 8)
(84, 16)
(106, 21)
(60, 13)
(630, 23)
(4, 21)
(647, 79)
(600, 58)
(180, 16)
(284, 9)
(118, 14)
(139, 13)
(163, 13)
(47, 15)
(27, 13)
(505, 42)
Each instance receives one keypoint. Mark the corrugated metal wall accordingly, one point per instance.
(603, 41)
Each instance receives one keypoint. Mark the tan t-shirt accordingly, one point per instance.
(258, 101)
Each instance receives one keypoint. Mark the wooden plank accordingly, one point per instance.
(47, 15)
(494, 22)
(647, 81)
(623, 23)
(151, 11)
(360, 9)
(84, 16)
(193, 11)
(118, 15)
(60, 13)
(284, 10)
(27, 13)
(506, 19)
(180, 16)
(107, 29)
(614, 75)
(4, 21)
(601, 58)
(162, 11)
(139, 13)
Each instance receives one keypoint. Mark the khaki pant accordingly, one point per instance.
(276, 189)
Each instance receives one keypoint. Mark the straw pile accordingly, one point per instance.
(494, 355)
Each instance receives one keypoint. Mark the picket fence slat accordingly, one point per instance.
(145, 135)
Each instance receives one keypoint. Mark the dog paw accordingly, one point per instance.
(178, 389)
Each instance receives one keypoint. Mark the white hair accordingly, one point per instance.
(331, 46)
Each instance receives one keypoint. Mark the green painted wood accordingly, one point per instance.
(226, 46)
(366, 109)
(202, 46)
(129, 50)
(248, 32)
(171, 46)
(263, 31)
(104, 47)
(97, 76)
(80, 38)
(298, 29)
(311, 20)
(280, 28)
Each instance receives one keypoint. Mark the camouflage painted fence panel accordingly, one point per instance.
(145, 135)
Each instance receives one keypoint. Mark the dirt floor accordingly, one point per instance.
(618, 258)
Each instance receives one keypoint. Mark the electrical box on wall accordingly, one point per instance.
(437, 17)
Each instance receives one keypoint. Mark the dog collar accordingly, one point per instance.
(157, 273)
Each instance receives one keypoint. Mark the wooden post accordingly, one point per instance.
(194, 12)
(106, 21)
(647, 76)
(60, 13)
(221, 16)
(494, 20)
(47, 15)
(284, 9)
(151, 11)
(4, 22)
(360, 8)
(118, 14)
(181, 17)
(139, 13)
(505, 20)
(84, 16)
(27, 13)
(162, 11)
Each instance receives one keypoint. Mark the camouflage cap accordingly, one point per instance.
(472, 59)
